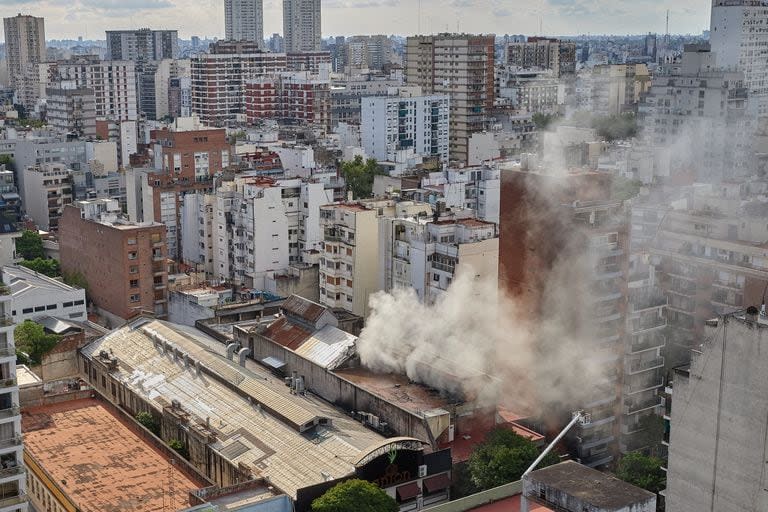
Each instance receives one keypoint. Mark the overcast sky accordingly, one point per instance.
(89, 18)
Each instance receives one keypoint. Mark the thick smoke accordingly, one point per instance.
(477, 342)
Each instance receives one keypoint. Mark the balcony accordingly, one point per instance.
(11, 412)
(13, 500)
(11, 472)
(648, 343)
(7, 352)
(644, 303)
(644, 366)
(635, 407)
(7, 383)
(631, 429)
(11, 442)
(645, 385)
(590, 441)
(648, 325)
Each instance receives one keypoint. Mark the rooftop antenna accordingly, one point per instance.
(666, 35)
(541, 26)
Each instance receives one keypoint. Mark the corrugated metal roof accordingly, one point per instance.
(286, 334)
(303, 308)
(274, 447)
(328, 347)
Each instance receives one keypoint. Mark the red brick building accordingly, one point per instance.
(123, 263)
(294, 98)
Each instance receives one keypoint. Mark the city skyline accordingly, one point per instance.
(90, 18)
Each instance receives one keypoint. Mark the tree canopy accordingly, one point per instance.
(642, 471)
(43, 266)
(503, 458)
(355, 496)
(32, 340)
(30, 245)
(616, 127)
(359, 175)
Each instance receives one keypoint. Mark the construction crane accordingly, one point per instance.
(579, 417)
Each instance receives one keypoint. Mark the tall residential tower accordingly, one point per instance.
(24, 44)
(244, 20)
(301, 25)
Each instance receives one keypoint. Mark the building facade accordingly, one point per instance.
(461, 66)
(123, 263)
(71, 110)
(301, 25)
(543, 53)
(290, 97)
(405, 124)
(24, 45)
(48, 189)
(142, 45)
(244, 20)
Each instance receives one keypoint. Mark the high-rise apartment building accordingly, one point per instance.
(740, 41)
(367, 52)
(142, 45)
(707, 107)
(461, 66)
(301, 25)
(113, 84)
(24, 45)
(556, 225)
(71, 110)
(543, 53)
(14, 497)
(350, 260)
(292, 97)
(244, 20)
(405, 124)
(48, 189)
(123, 263)
(219, 78)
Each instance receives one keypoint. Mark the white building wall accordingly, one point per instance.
(270, 235)
(313, 196)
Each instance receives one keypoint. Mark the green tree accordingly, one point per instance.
(503, 458)
(30, 245)
(48, 267)
(624, 189)
(7, 161)
(359, 175)
(355, 496)
(148, 421)
(542, 121)
(33, 341)
(76, 280)
(642, 471)
(616, 127)
(179, 448)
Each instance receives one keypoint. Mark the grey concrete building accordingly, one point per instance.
(571, 487)
(244, 20)
(719, 420)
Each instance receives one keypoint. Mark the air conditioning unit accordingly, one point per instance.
(422, 471)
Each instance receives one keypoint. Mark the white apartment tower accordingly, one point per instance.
(739, 38)
(24, 44)
(244, 20)
(397, 126)
(301, 25)
(12, 475)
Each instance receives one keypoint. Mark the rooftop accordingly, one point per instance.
(25, 376)
(397, 389)
(591, 486)
(99, 461)
(257, 422)
(22, 280)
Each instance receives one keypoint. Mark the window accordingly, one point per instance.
(134, 298)
(79, 302)
(131, 241)
(49, 307)
(131, 255)
(134, 283)
(67, 304)
(39, 308)
(134, 269)
(26, 311)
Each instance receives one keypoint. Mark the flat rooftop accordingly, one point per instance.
(397, 389)
(590, 486)
(99, 460)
